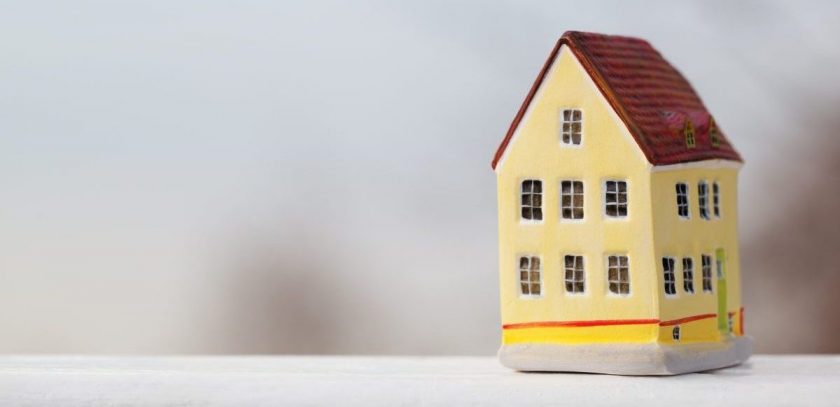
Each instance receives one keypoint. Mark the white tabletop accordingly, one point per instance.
(347, 380)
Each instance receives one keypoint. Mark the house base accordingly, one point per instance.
(645, 359)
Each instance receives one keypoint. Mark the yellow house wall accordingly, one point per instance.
(608, 151)
(678, 238)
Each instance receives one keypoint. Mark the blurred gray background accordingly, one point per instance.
(314, 177)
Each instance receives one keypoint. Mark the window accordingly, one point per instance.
(730, 322)
(703, 196)
(716, 199)
(574, 274)
(616, 199)
(670, 281)
(688, 274)
(532, 199)
(571, 127)
(714, 137)
(571, 199)
(618, 274)
(530, 277)
(688, 132)
(682, 200)
(707, 273)
(675, 333)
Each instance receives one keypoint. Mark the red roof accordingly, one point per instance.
(651, 97)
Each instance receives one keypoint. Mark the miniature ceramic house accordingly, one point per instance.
(617, 219)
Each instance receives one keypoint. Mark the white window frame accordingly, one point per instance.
(668, 266)
(619, 281)
(706, 267)
(703, 199)
(716, 212)
(605, 193)
(578, 260)
(571, 122)
(686, 196)
(522, 205)
(530, 282)
(571, 196)
(688, 275)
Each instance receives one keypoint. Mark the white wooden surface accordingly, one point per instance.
(292, 380)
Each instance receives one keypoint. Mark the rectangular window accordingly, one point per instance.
(707, 273)
(618, 274)
(688, 274)
(682, 200)
(571, 127)
(670, 281)
(571, 199)
(616, 199)
(530, 277)
(703, 196)
(532, 199)
(716, 199)
(574, 274)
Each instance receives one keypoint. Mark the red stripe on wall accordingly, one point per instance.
(596, 322)
(606, 322)
(687, 319)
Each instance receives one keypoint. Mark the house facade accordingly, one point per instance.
(617, 205)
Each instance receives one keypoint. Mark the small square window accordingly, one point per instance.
(716, 199)
(706, 264)
(574, 276)
(668, 273)
(688, 274)
(616, 199)
(703, 197)
(618, 274)
(682, 200)
(571, 199)
(571, 127)
(531, 205)
(530, 276)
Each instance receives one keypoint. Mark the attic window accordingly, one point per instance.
(714, 137)
(532, 199)
(571, 127)
(688, 132)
